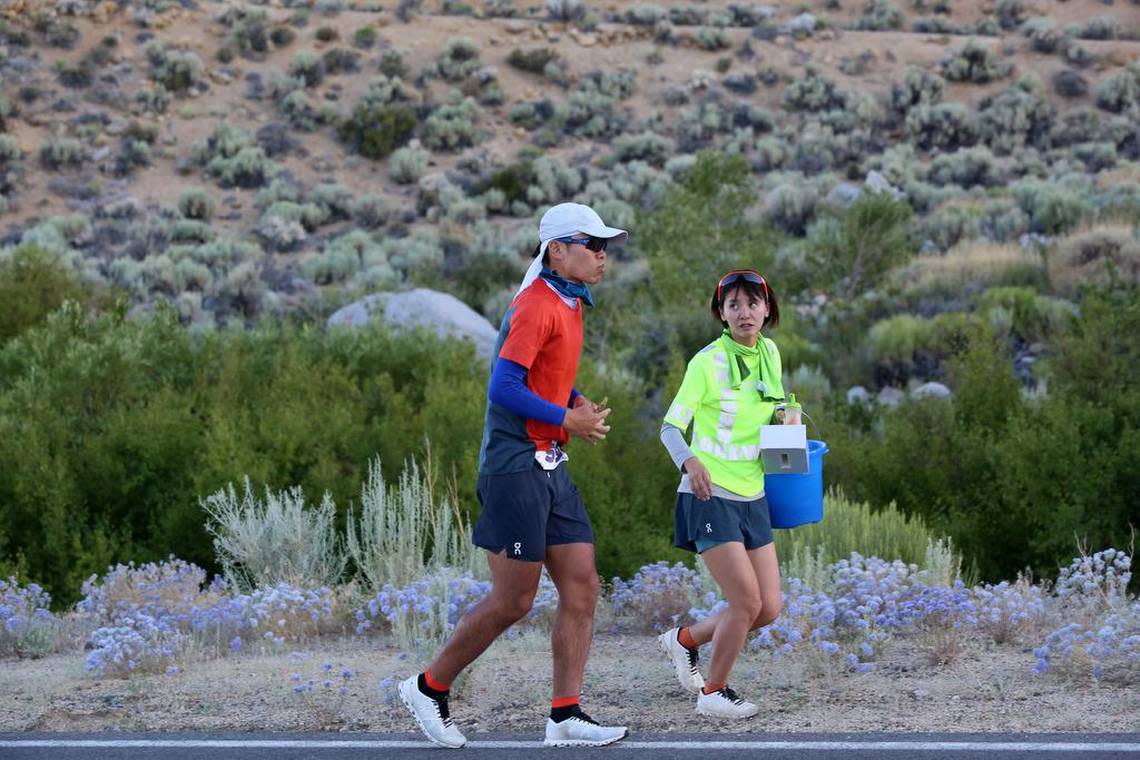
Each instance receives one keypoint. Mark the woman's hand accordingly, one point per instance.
(587, 420)
(699, 479)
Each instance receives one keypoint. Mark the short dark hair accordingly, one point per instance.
(762, 292)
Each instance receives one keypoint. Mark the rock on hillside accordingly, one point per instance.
(441, 312)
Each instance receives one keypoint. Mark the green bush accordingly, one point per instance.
(365, 37)
(375, 131)
(1013, 480)
(871, 238)
(136, 420)
(533, 61)
(33, 283)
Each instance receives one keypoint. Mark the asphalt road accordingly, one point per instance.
(235, 746)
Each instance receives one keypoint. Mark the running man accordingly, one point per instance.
(532, 514)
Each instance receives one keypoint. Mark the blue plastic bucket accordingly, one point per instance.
(797, 499)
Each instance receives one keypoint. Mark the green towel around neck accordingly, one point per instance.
(770, 386)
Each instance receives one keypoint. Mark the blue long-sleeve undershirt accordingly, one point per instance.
(508, 389)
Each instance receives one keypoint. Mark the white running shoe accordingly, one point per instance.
(431, 714)
(725, 704)
(581, 731)
(684, 660)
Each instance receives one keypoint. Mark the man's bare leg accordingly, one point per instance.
(572, 568)
(513, 586)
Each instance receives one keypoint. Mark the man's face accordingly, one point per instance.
(576, 262)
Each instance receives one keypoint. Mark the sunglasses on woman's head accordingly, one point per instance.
(594, 244)
(745, 275)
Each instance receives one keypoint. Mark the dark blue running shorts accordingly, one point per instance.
(525, 512)
(699, 525)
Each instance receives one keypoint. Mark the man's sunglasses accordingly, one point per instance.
(594, 244)
(745, 275)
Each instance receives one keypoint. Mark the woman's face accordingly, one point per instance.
(745, 315)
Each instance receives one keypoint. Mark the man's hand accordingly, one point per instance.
(587, 420)
(581, 400)
(699, 479)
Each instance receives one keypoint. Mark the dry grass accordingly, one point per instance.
(1088, 256)
(970, 263)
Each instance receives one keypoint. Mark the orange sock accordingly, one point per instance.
(712, 687)
(434, 683)
(685, 639)
(564, 701)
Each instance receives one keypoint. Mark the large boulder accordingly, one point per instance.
(442, 312)
(931, 390)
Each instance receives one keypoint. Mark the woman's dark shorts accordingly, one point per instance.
(525, 512)
(718, 521)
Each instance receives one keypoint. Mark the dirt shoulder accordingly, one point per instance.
(987, 689)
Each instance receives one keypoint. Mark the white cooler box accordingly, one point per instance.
(783, 449)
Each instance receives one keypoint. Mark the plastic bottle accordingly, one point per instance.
(793, 412)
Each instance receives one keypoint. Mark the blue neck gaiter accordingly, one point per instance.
(567, 288)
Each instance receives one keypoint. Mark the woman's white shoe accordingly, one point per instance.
(684, 660)
(725, 704)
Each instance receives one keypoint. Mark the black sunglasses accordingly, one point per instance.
(594, 244)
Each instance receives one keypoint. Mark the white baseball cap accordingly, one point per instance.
(565, 220)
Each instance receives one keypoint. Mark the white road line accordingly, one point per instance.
(332, 744)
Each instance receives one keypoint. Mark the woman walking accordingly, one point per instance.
(730, 389)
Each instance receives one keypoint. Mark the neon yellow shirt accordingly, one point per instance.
(726, 422)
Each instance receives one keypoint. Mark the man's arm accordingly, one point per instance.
(508, 389)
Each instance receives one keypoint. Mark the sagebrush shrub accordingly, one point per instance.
(308, 67)
(974, 62)
(648, 146)
(566, 10)
(459, 60)
(967, 168)
(1043, 33)
(941, 127)
(176, 70)
(452, 126)
(231, 154)
(880, 15)
(918, 87)
(1013, 119)
(408, 164)
(195, 203)
(814, 92)
(60, 152)
(1120, 93)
